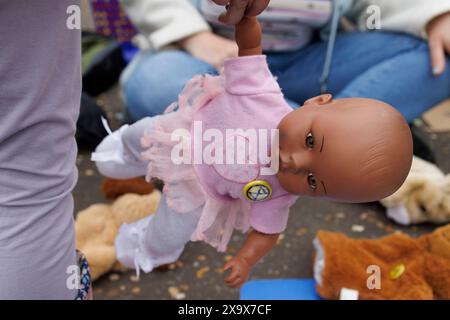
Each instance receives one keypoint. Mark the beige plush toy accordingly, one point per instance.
(97, 227)
(424, 196)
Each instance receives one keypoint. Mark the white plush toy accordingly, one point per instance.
(424, 197)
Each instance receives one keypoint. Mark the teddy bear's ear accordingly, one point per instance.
(113, 188)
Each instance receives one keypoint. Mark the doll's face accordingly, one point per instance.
(352, 150)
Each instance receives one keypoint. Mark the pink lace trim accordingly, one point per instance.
(183, 191)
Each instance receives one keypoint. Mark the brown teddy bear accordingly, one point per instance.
(97, 226)
(423, 197)
(393, 267)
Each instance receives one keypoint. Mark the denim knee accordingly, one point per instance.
(157, 80)
(405, 81)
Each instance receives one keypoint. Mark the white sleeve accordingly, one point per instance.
(410, 16)
(163, 22)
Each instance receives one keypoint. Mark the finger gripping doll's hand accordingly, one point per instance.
(248, 37)
(240, 270)
(237, 9)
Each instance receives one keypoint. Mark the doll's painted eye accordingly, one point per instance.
(309, 141)
(312, 182)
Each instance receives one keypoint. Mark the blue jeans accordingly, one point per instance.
(391, 67)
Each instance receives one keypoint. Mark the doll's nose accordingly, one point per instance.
(299, 161)
(291, 162)
(287, 161)
(285, 158)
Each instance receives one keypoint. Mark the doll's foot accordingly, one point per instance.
(134, 253)
(130, 248)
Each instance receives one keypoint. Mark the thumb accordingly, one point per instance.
(256, 7)
(437, 54)
(235, 12)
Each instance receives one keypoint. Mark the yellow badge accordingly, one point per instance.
(257, 190)
(397, 271)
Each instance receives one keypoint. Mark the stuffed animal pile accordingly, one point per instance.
(407, 268)
(393, 267)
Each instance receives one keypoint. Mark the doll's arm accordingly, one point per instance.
(256, 246)
(248, 36)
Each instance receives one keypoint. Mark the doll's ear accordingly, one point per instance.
(319, 100)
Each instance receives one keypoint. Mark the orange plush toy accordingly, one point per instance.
(393, 267)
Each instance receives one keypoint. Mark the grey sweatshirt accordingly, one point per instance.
(40, 85)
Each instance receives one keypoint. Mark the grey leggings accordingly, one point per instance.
(160, 238)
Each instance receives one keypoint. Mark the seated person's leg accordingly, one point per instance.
(354, 54)
(405, 81)
(157, 80)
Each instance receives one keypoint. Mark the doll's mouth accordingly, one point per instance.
(288, 168)
(285, 167)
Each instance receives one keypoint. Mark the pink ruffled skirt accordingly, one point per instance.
(182, 188)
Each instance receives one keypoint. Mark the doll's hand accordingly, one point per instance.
(240, 270)
(210, 48)
(439, 41)
(238, 8)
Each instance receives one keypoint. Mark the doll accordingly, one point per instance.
(353, 150)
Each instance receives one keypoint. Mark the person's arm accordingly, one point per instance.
(256, 246)
(177, 22)
(164, 22)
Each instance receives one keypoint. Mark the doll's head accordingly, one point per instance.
(350, 150)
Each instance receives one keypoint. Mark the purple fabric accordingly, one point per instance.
(40, 85)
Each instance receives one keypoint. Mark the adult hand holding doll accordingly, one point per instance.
(213, 48)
